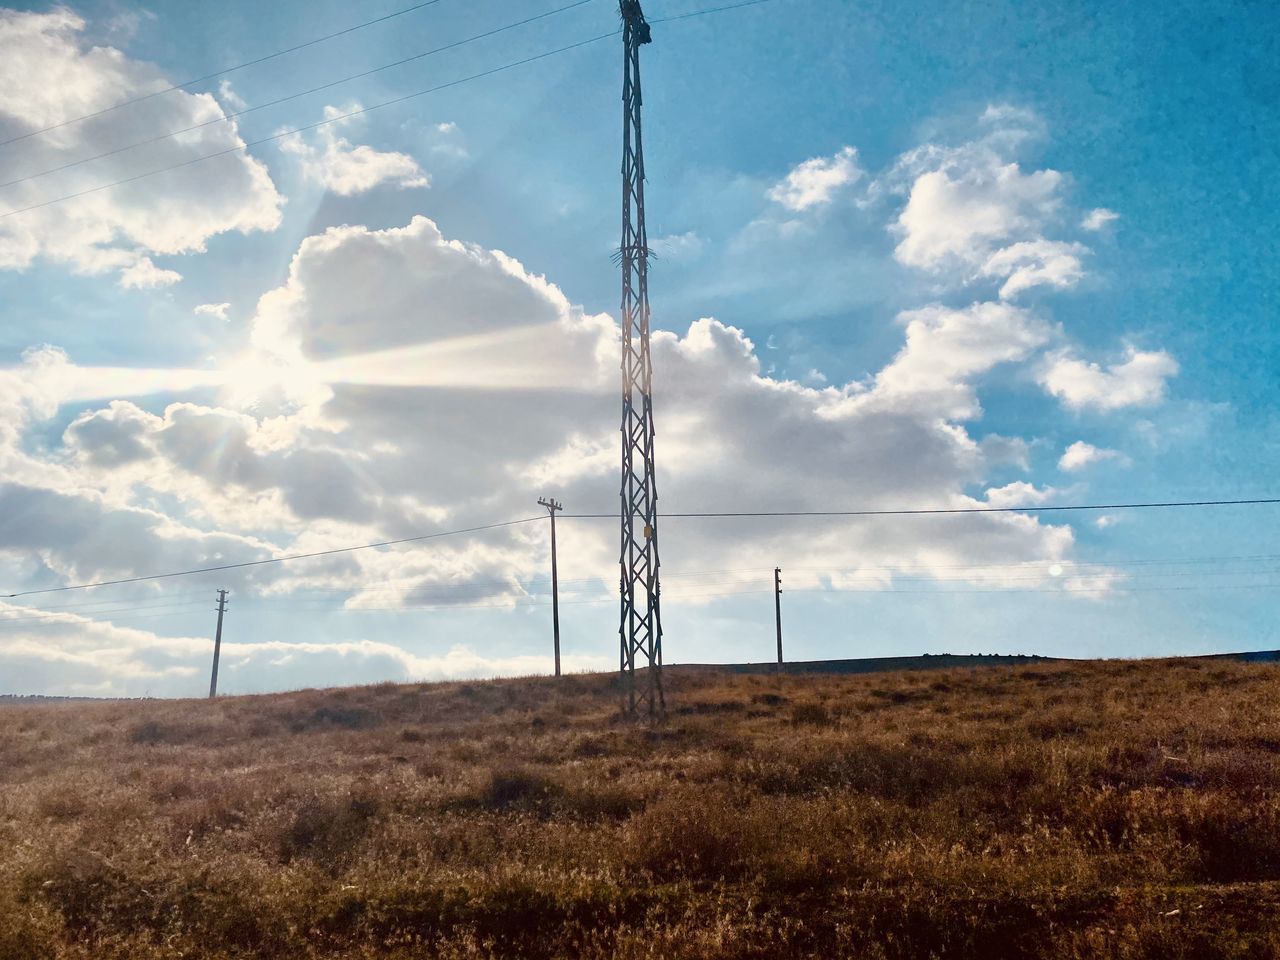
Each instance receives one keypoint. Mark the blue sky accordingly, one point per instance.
(940, 248)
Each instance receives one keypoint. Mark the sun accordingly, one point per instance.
(270, 382)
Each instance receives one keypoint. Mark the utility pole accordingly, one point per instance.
(640, 629)
(217, 644)
(777, 611)
(552, 507)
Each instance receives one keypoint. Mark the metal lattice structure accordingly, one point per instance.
(640, 631)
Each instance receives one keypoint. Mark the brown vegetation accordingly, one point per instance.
(1095, 810)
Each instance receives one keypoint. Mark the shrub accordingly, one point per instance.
(326, 829)
(813, 714)
(526, 789)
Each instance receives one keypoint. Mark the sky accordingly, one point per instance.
(1006, 255)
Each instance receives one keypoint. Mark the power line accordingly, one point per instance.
(294, 49)
(310, 126)
(935, 511)
(438, 593)
(760, 590)
(219, 73)
(227, 117)
(259, 563)
(700, 13)
(174, 609)
(1016, 564)
(1064, 591)
(113, 606)
(85, 604)
(717, 515)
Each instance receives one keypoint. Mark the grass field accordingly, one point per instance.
(1084, 810)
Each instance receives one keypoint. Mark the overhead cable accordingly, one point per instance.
(259, 563)
(934, 511)
(227, 117)
(217, 73)
(701, 515)
(239, 148)
(353, 113)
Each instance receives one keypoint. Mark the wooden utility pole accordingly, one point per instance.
(217, 644)
(777, 611)
(552, 507)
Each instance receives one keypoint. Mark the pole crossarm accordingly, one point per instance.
(640, 629)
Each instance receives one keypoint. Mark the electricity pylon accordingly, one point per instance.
(640, 631)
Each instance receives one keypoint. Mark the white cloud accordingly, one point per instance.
(957, 214)
(815, 181)
(1018, 494)
(721, 422)
(1098, 218)
(114, 229)
(144, 275)
(447, 127)
(1080, 455)
(216, 310)
(972, 212)
(1141, 380)
(1031, 263)
(113, 436)
(946, 349)
(454, 377)
(81, 535)
(348, 170)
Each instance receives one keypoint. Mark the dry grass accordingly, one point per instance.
(1098, 810)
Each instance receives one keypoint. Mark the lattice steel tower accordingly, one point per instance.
(641, 628)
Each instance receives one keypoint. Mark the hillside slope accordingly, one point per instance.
(1053, 810)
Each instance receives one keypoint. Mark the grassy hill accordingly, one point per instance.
(1060, 810)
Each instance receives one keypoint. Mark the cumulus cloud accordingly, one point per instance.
(402, 382)
(957, 214)
(1141, 380)
(815, 181)
(119, 228)
(1018, 494)
(1032, 263)
(332, 161)
(1080, 455)
(81, 536)
(447, 391)
(114, 436)
(973, 213)
(947, 349)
